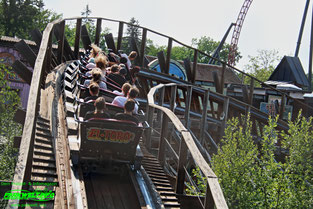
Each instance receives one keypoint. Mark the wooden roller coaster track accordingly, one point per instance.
(171, 102)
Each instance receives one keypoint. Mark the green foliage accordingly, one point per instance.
(200, 185)
(251, 177)
(18, 18)
(262, 65)
(205, 44)
(9, 101)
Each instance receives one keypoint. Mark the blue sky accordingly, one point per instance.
(269, 24)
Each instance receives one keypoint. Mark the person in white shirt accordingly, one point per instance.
(132, 94)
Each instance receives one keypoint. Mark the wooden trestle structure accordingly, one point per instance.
(186, 123)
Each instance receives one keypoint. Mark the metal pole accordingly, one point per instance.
(311, 54)
(302, 27)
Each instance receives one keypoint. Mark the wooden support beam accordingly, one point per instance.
(110, 42)
(26, 52)
(180, 180)
(203, 126)
(160, 103)
(150, 111)
(282, 106)
(37, 36)
(135, 48)
(173, 98)
(195, 64)
(222, 79)
(187, 65)
(85, 38)
(19, 116)
(161, 59)
(217, 82)
(164, 133)
(22, 71)
(61, 29)
(48, 57)
(245, 95)
(98, 31)
(142, 48)
(251, 91)
(120, 35)
(187, 106)
(67, 50)
(168, 56)
(77, 37)
(208, 201)
(225, 114)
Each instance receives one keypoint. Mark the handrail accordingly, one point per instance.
(213, 187)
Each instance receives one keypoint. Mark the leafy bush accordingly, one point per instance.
(251, 177)
(9, 101)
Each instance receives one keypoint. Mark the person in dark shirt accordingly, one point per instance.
(99, 111)
(128, 112)
(116, 76)
(93, 91)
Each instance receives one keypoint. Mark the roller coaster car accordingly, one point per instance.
(104, 142)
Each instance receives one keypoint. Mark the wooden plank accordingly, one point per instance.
(208, 201)
(217, 82)
(49, 54)
(187, 106)
(212, 109)
(98, 31)
(22, 169)
(85, 38)
(173, 98)
(61, 28)
(168, 55)
(161, 59)
(37, 36)
(180, 180)
(164, 131)
(26, 52)
(142, 47)
(77, 37)
(67, 50)
(187, 65)
(110, 42)
(203, 126)
(22, 71)
(195, 64)
(160, 103)
(120, 35)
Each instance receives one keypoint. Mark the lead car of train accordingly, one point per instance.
(98, 144)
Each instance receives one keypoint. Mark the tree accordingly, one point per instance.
(251, 177)
(132, 32)
(205, 44)
(262, 65)
(18, 18)
(208, 45)
(9, 101)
